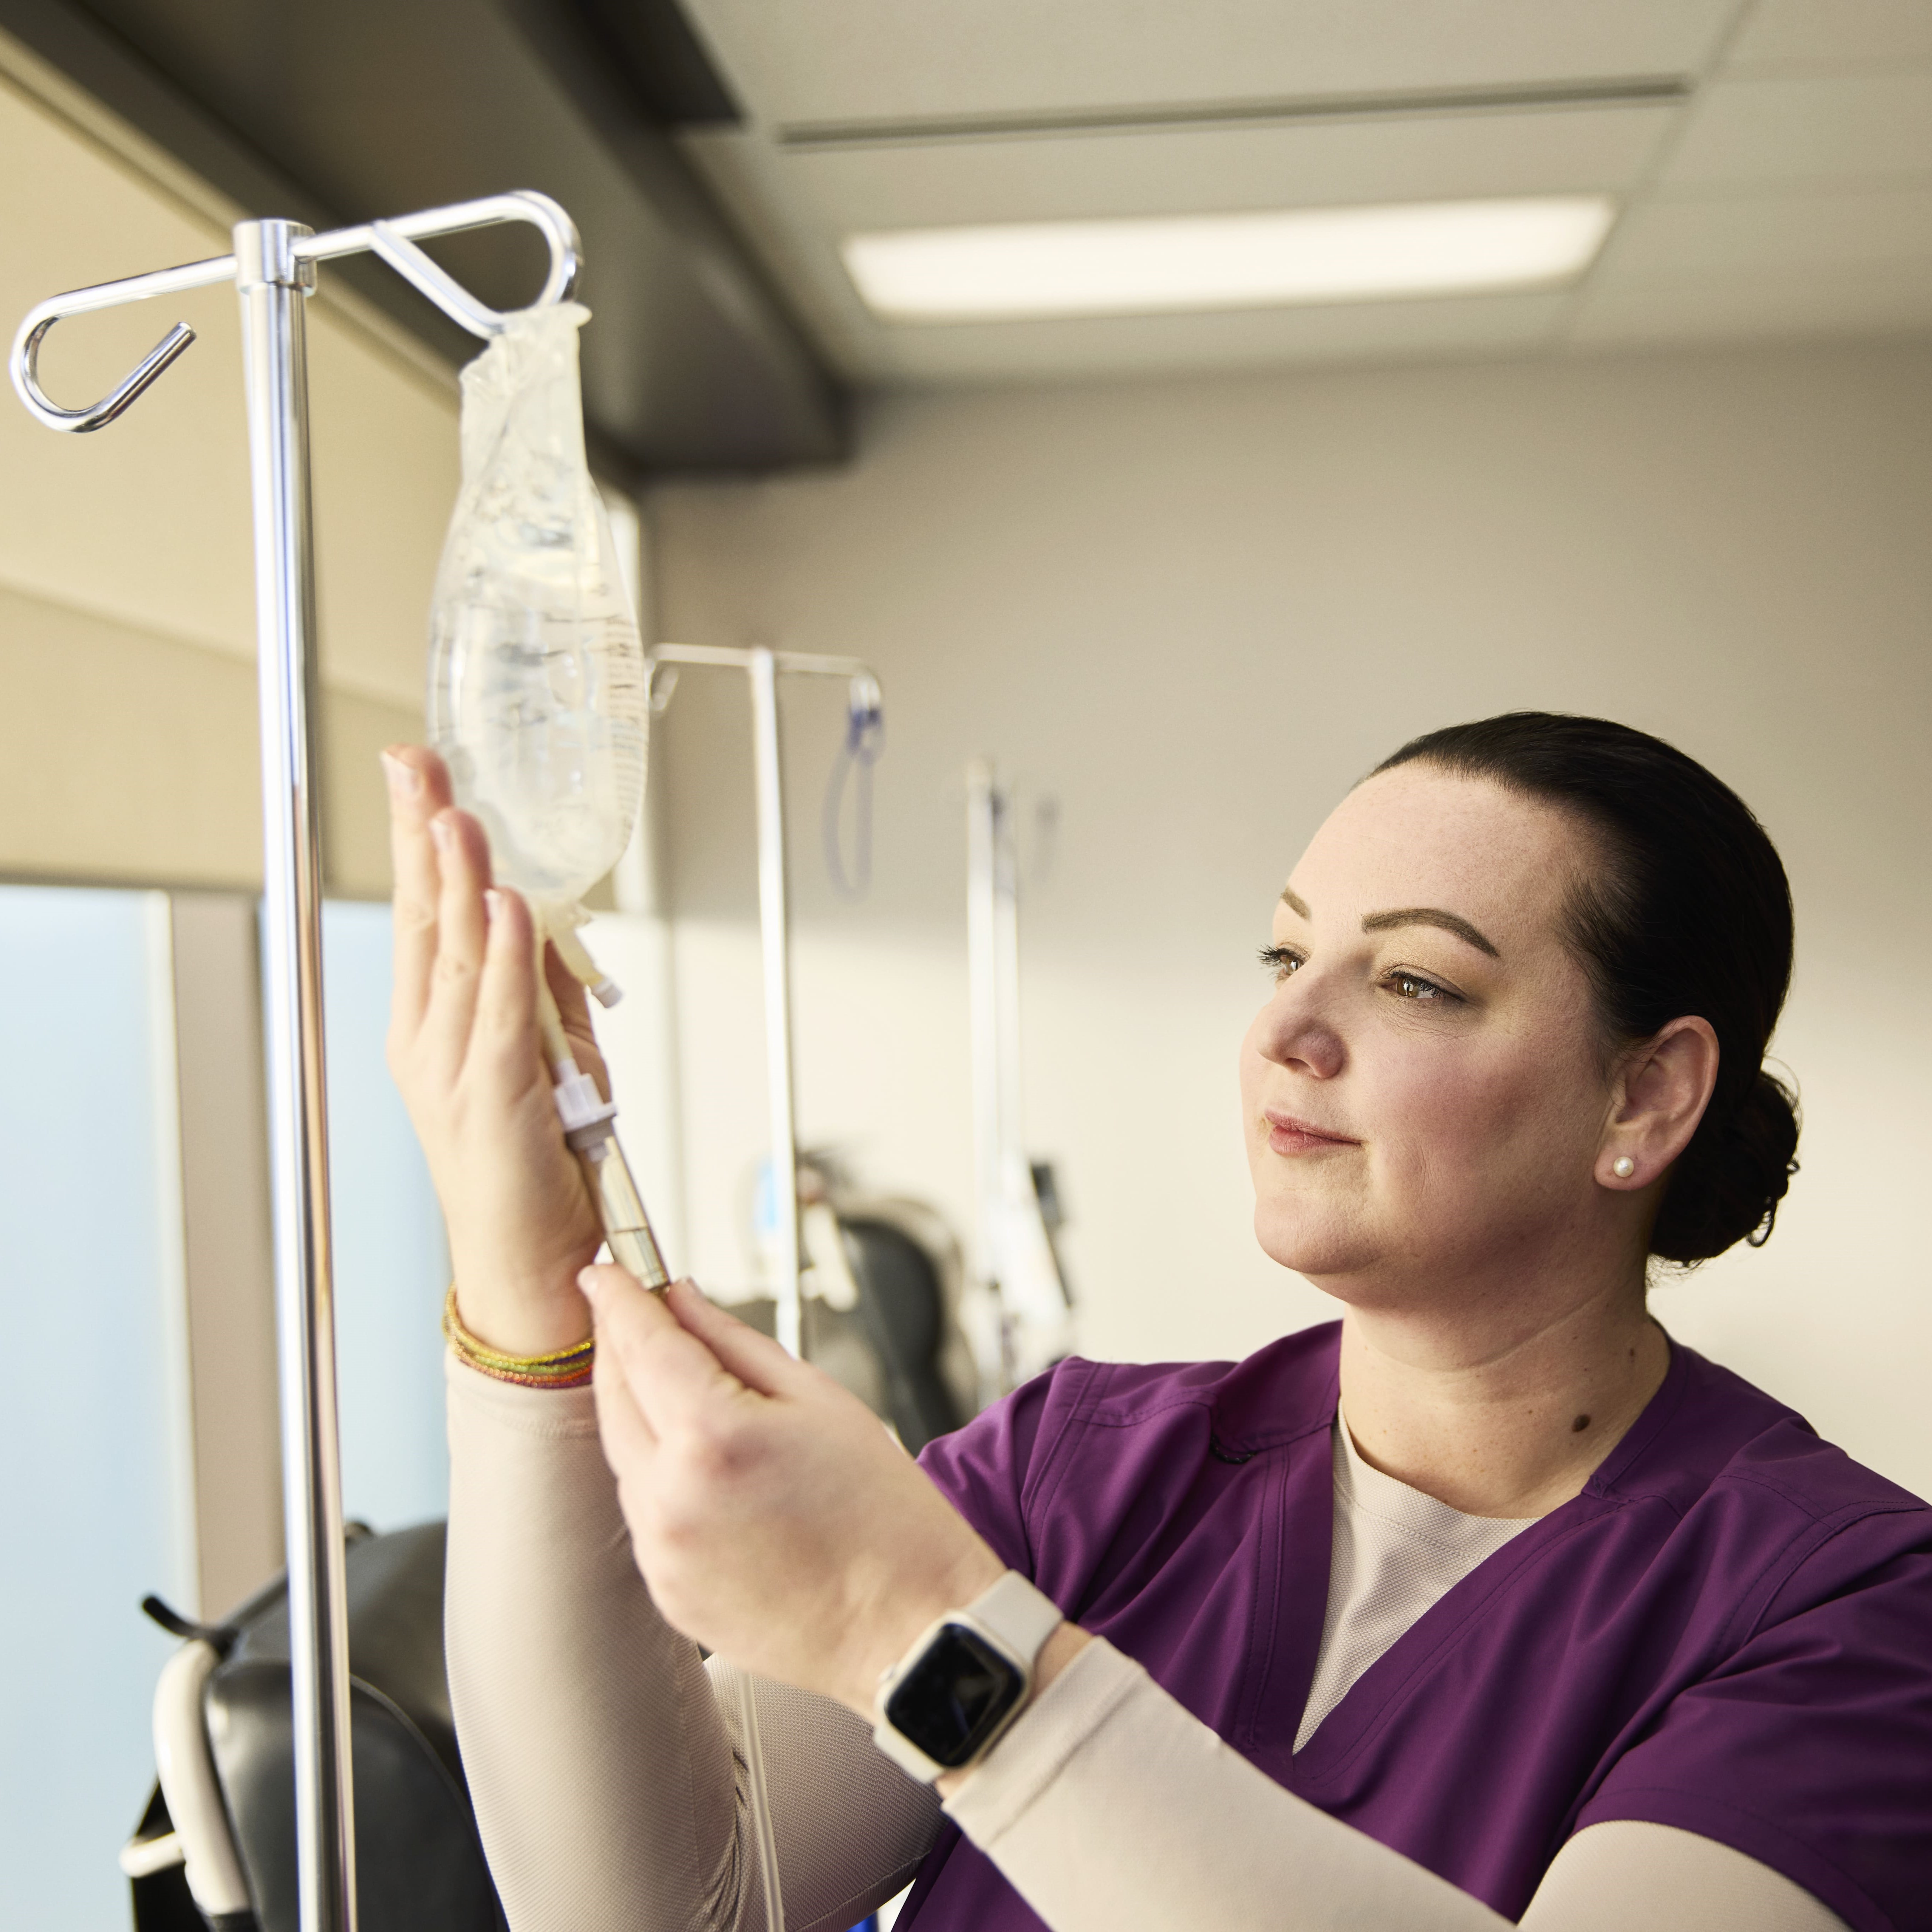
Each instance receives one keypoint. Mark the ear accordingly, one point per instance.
(1660, 1095)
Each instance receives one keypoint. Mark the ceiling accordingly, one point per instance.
(332, 111)
(1772, 159)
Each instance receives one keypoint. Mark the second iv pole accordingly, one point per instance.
(763, 669)
(274, 271)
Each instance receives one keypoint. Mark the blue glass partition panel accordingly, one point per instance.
(391, 1261)
(93, 1442)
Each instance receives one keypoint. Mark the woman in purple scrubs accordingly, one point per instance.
(1487, 1602)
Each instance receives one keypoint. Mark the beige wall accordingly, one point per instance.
(126, 619)
(1195, 612)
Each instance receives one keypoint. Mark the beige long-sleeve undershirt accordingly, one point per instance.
(602, 1756)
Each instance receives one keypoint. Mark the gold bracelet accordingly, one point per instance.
(564, 1368)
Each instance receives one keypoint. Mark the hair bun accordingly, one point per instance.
(1728, 1182)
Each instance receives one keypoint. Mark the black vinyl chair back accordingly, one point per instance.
(902, 1306)
(419, 1863)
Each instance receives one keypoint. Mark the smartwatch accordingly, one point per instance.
(942, 1705)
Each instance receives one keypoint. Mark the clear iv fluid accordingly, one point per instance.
(536, 686)
(532, 728)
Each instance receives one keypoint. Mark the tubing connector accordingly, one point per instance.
(590, 1130)
(585, 1115)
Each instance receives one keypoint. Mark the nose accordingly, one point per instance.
(1292, 1031)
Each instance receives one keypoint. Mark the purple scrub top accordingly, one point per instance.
(1730, 1631)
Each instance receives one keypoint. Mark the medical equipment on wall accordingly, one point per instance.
(537, 694)
(1018, 1206)
(274, 269)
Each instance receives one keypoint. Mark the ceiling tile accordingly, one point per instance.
(846, 60)
(1832, 34)
(1891, 302)
(1155, 345)
(1807, 130)
(1202, 170)
(1797, 201)
(1704, 239)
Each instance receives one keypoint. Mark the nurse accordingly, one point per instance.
(1487, 1602)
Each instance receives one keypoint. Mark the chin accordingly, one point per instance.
(1312, 1240)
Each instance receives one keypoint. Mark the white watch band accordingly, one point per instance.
(1016, 1619)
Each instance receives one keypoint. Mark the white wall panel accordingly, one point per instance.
(126, 575)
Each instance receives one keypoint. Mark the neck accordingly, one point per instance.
(1507, 1417)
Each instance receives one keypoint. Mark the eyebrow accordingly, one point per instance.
(1387, 921)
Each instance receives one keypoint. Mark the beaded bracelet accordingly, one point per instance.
(566, 1368)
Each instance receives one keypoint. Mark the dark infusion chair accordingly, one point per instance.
(216, 1846)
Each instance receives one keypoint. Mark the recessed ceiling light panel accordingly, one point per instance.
(1275, 258)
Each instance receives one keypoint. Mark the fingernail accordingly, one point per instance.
(405, 780)
(492, 900)
(440, 830)
(588, 1286)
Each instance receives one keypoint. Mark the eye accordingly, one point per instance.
(1281, 961)
(1424, 992)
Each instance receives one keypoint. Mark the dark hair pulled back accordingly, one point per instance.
(1689, 914)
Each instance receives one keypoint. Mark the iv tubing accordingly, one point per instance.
(590, 1125)
(760, 1798)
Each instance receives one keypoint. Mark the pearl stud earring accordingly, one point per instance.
(1623, 1167)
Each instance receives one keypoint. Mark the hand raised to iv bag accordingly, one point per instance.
(463, 1050)
(773, 1518)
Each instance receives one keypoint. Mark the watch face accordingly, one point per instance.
(953, 1699)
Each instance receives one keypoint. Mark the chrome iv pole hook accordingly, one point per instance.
(96, 415)
(394, 241)
(25, 363)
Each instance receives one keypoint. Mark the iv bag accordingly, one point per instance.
(536, 684)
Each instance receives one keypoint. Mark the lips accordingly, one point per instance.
(1289, 1136)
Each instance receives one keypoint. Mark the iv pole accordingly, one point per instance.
(992, 949)
(1017, 1253)
(762, 668)
(274, 269)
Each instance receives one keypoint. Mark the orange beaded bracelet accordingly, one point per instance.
(566, 1368)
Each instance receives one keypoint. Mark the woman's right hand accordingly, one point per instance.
(464, 1050)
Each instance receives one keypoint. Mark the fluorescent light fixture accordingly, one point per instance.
(1275, 258)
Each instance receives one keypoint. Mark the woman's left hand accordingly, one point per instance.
(773, 1518)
